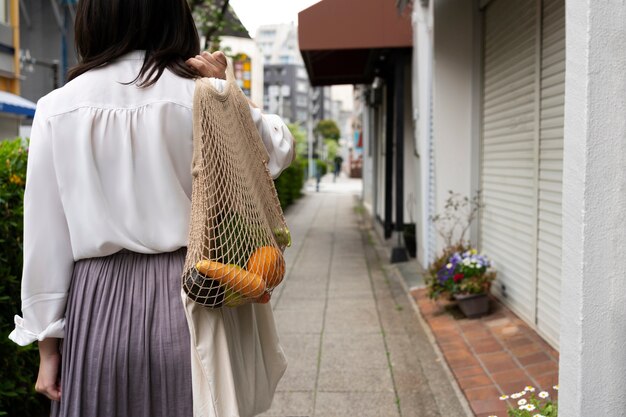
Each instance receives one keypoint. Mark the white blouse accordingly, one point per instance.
(109, 168)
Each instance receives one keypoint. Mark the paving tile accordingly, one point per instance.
(357, 350)
(307, 290)
(463, 362)
(351, 316)
(542, 368)
(525, 350)
(496, 362)
(392, 319)
(487, 345)
(516, 386)
(511, 376)
(468, 371)
(291, 404)
(482, 393)
(475, 381)
(518, 341)
(488, 407)
(299, 320)
(305, 304)
(343, 404)
(547, 381)
(354, 379)
(419, 403)
(534, 358)
(460, 358)
(446, 347)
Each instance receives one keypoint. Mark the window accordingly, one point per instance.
(302, 115)
(5, 15)
(302, 87)
(301, 100)
(284, 59)
(302, 73)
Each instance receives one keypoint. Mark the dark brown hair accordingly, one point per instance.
(107, 29)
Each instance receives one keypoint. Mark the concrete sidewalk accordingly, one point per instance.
(354, 342)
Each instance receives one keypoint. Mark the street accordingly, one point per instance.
(353, 340)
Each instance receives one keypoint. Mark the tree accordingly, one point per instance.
(327, 129)
(213, 18)
(299, 136)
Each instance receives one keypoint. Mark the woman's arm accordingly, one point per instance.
(276, 136)
(48, 258)
(48, 382)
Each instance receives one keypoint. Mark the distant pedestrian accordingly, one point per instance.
(106, 215)
(337, 167)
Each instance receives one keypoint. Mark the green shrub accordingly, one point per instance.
(19, 365)
(289, 184)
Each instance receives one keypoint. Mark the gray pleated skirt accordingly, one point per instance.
(126, 351)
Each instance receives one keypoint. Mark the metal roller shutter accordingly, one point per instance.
(508, 150)
(550, 168)
(522, 155)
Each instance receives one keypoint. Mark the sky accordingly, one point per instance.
(254, 13)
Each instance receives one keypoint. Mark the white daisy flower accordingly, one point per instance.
(543, 394)
(522, 402)
(529, 407)
(556, 387)
(517, 395)
(538, 415)
(504, 397)
(529, 389)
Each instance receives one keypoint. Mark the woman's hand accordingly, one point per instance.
(48, 382)
(209, 65)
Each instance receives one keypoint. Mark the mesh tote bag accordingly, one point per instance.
(237, 231)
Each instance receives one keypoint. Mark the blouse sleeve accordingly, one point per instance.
(48, 259)
(277, 139)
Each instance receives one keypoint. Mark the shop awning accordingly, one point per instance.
(342, 41)
(16, 105)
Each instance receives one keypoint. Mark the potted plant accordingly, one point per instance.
(460, 272)
(466, 276)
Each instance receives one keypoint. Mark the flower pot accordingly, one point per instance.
(473, 305)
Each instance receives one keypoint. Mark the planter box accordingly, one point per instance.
(473, 305)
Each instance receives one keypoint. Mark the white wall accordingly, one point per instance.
(250, 48)
(453, 100)
(593, 293)
(422, 76)
(411, 183)
(368, 161)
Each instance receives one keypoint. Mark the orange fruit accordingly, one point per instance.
(268, 262)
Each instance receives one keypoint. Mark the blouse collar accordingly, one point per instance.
(133, 55)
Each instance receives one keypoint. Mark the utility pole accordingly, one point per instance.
(309, 123)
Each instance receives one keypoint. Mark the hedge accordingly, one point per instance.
(19, 365)
(289, 184)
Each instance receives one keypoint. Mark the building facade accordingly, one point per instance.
(279, 44)
(524, 101)
(497, 69)
(47, 45)
(287, 90)
(14, 110)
